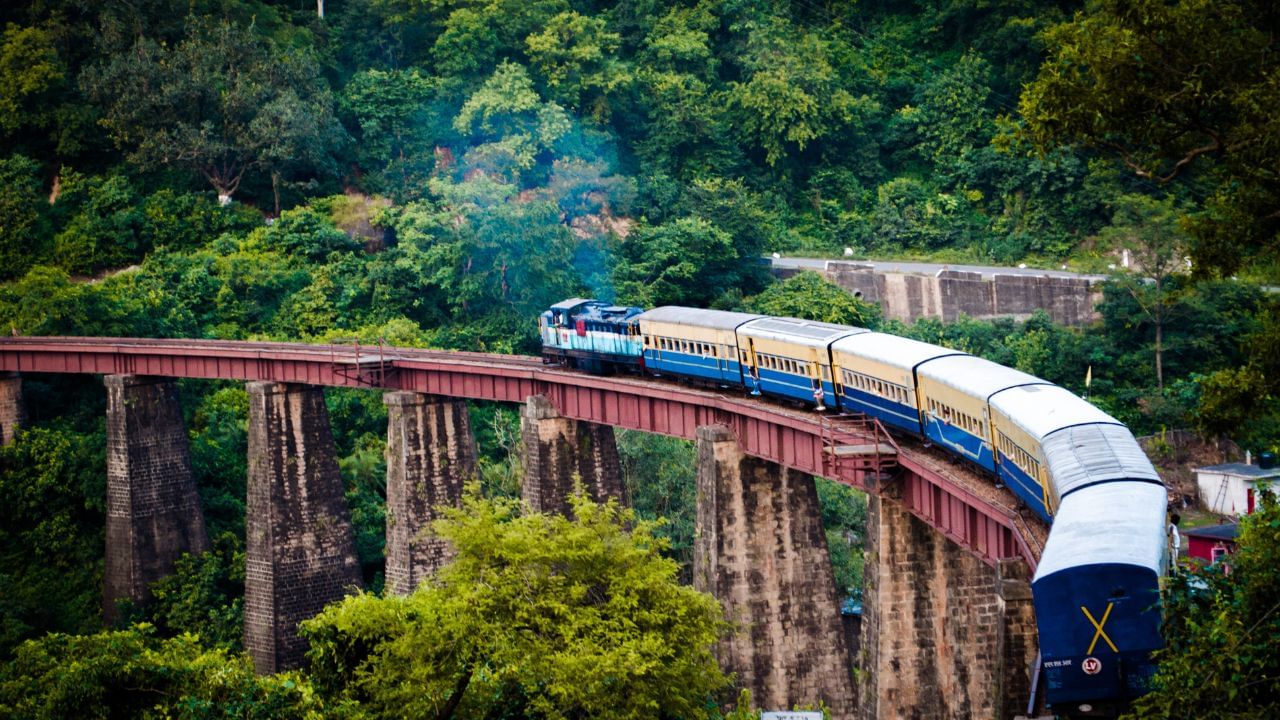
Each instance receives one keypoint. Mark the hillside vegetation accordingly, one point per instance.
(436, 172)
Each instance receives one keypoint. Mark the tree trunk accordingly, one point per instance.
(1159, 334)
(320, 8)
(275, 189)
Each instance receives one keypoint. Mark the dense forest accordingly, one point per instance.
(436, 172)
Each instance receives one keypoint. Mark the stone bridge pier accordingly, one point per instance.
(944, 635)
(153, 509)
(300, 550)
(556, 449)
(13, 411)
(759, 548)
(431, 454)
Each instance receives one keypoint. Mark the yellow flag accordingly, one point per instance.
(1088, 376)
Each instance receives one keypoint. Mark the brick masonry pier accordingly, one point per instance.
(300, 552)
(153, 509)
(13, 411)
(430, 455)
(944, 635)
(759, 548)
(556, 448)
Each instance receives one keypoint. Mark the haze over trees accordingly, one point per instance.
(435, 172)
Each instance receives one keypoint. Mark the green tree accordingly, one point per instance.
(1148, 231)
(687, 261)
(659, 475)
(1175, 89)
(792, 93)
(106, 227)
(536, 615)
(509, 124)
(575, 55)
(31, 73)
(1220, 658)
(844, 521)
(132, 674)
(810, 296)
(51, 540)
(203, 597)
(221, 102)
(394, 124)
(23, 223)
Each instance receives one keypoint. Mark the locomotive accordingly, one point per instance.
(1096, 589)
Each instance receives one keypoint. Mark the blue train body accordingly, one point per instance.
(1096, 589)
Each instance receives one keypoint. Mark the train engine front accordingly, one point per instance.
(591, 335)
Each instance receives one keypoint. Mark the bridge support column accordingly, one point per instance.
(760, 549)
(430, 454)
(556, 448)
(944, 635)
(153, 509)
(13, 411)
(300, 552)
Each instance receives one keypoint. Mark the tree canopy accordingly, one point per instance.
(1177, 91)
(223, 101)
(536, 614)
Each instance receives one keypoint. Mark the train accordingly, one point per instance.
(1096, 590)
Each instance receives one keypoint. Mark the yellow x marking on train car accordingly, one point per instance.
(1097, 626)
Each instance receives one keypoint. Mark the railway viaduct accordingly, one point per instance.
(948, 626)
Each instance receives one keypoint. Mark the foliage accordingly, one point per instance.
(844, 521)
(792, 93)
(133, 674)
(1148, 230)
(658, 473)
(51, 539)
(810, 296)
(1220, 659)
(204, 597)
(1178, 90)
(221, 102)
(537, 614)
(23, 222)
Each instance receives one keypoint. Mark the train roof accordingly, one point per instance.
(1085, 455)
(805, 332)
(891, 350)
(975, 376)
(1044, 409)
(696, 317)
(1116, 523)
(571, 303)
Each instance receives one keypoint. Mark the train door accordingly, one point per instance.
(750, 370)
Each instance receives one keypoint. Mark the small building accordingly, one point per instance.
(1211, 543)
(1232, 489)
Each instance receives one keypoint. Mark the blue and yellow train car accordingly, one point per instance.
(1025, 417)
(693, 343)
(954, 392)
(1097, 592)
(791, 358)
(876, 375)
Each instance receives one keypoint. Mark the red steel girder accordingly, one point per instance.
(769, 431)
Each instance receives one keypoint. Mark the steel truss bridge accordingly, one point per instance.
(959, 503)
